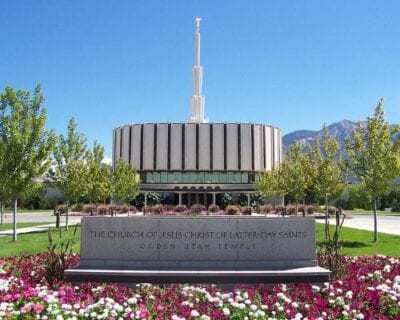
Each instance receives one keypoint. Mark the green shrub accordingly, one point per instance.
(102, 210)
(266, 208)
(197, 209)
(62, 208)
(157, 209)
(77, 207)
(247, 211)
(232, 210)
(89, 208)
(181, 208)
(213, 208)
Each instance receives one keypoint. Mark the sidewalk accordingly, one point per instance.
(38, 228)
(386, 224)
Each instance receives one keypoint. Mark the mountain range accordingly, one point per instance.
(339, 130)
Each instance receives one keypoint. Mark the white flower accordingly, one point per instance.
(194, 313)
(316, 288)
(387, 268)
(226, 312)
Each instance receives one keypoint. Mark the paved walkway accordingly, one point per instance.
(71, 222)
(386, 223)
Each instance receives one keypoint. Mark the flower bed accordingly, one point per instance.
(370, 290)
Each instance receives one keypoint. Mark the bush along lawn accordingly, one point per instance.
(370, 289)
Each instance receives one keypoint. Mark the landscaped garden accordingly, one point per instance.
(369, 289)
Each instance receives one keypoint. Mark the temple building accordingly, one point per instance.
(198, 160)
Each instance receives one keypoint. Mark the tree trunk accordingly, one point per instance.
(326, 218)
(66, 215)
(15, 220)
(375, 220)
(297, 208)
(1, 214)
(129, 208)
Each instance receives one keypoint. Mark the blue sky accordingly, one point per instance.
(292, 64)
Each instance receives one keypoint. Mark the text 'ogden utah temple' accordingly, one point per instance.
(198, 161)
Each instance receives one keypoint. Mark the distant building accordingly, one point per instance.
(197, 161)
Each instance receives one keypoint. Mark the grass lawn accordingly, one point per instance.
(37, 241)
(8, 226)
(356, 242)
(379, 212)
(20, 210)
(359, 242)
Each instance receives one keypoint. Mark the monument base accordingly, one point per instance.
(297, 275)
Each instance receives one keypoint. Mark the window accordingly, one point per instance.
(222, 177)
(156, 177)
(208, 177)
(164, 177)
(200, 177)
(238, 177)
(215, 177)
(149, 177)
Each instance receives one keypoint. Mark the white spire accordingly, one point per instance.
(197, 100)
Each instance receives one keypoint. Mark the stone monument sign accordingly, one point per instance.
(197, 249)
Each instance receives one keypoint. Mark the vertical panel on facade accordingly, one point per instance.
(268, 148)
(176, 146)
(148, 146)
(258, 148)
(276, 146)
(162, 146)
(190, 146)
(113, 149)
(246, 147)
(218, 146)
(204, 146)
(125, 143)
(135, 145)
(232, 140)
(117, 144)
(280, 145)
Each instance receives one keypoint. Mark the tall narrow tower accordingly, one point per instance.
(197, 100)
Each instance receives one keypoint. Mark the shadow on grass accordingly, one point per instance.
(355, 244)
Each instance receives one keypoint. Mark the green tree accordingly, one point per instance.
(359, 197)
(272, 183)
(296, 171)
(25, 143)
(291, 178)
(125, 182)
(70, 172)
(374, 157)
(98, 174)
(327, 170)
